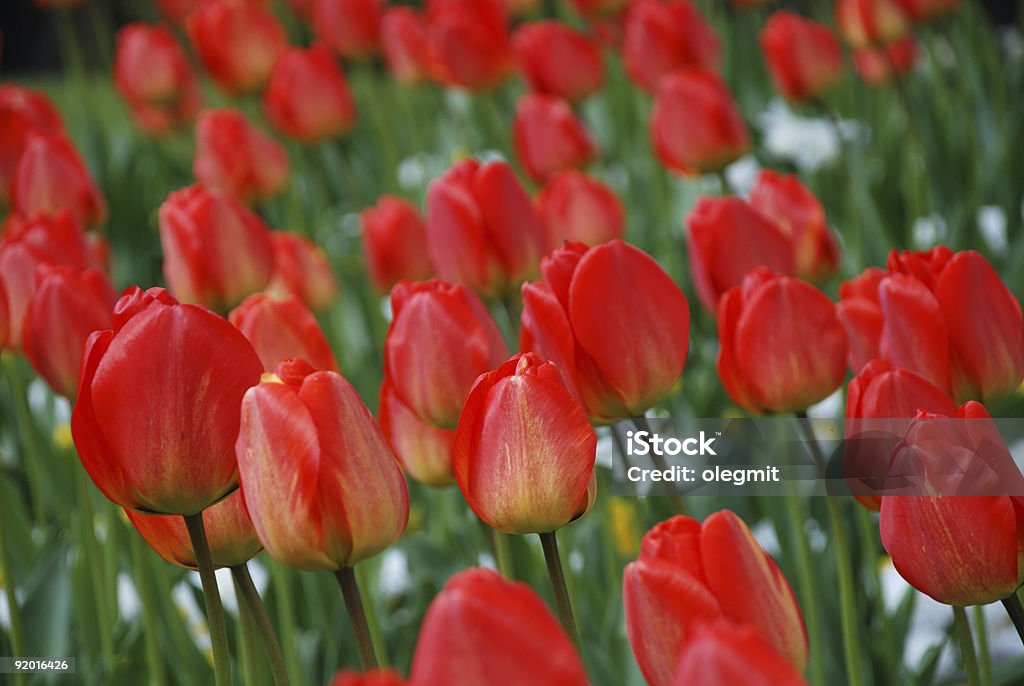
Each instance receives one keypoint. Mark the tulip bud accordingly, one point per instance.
(22, 111)
(870, 22)
(468, 43)
(690, 573)
(576, 207)
(151, 67)
(803, 57)
(179, 357)
(665, 37)
(725, 654)
(229, 533)
(301, 270)
(351, 27)
(549, 138)
(423, 450)
(403, 37)
(377, 677)
(395, 243)
(726, 238)
(216, 251)
(482, 625)
(861, 314)
(440, 340)
(237, 41)
(307, 96)
(279, 329)
(346, 500)
(613, 371)
(236, 157)
(482, 229)
(768, 366)
(695, 125)
(922, 11)
(876, 65)
(557, 60)
(51, 176)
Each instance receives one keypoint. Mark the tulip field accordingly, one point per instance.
(336, 336)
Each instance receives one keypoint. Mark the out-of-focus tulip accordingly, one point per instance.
(216, 251)
(557, 60)
(577, 207)
(870, 22)
(5, 317)
(279, 329)
(689, 573)
(322, 487)
(440, 340)
(926, 10)
(229, 533)
(695, 124)
(235, 156)
(351, 27)
(308, 97)
(549, 137)
(51, 176)
(795, 209)
(861, 315)
(766, 367)
(524, 450)
(726, 238)
(616, 325)
(195, 367)
(423, 450)
(403, 39)
(482, 227)
(665, 37)
(377, 677)
(238, 42)
(596, 9)
(803, 57)
(176, 11)
(301, 269)
(469, 43)
(395, 243)
(150, 66)
(68, 305)
(478, 629)
(725, 654)
(22, 111)
(876, 65)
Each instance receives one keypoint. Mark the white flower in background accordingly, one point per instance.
(394, 573)
(928, 231)
(992, 227)
(128, 604)
(808, 142)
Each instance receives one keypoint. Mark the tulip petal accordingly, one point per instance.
(914, 335)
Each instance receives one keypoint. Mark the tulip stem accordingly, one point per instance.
(354, 603)
(144, 585)
(252, 600)
(1016, 612)
(984, 657)
(214, 608)
(963, 634)
(30, 455)
(562, 603)
(96, 567)
(13, 610)
(678, 504)
(808, 591)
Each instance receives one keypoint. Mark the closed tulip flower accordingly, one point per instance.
(237, 41)
(479, 628)
(403, 38)
(618, 370)
(395, 243)
(576, 207)
(861, 315)
(350, 27)
(229, 533)
(482, 228)
(301, 269)
(307, 96)
(724, 654)
(870, 22)
(423, 450)
(180, 357)
(469, 44)
(150, 66)
(322, 487)
(549, 137)
(51, 176)
(766, 367)
(22, 111)
(440, 340)
(216, 251)
(557, 60)
(280, 329)
(377, 677)
(695, 125)
(665, 37)
(803, 57)
(922, 11)
(879, 65)
(235, 156)
(689, 573)
(176, 11)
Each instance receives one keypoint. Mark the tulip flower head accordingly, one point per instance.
(301, 269)
(549, 137)
(51, 176)
(403, 36)
(557, 60)
(237, 41)
(579, 208)
(236, 157)
(350, 27)
(395, 243)
(803, 57)
(308, 97)
(22, 111)
(280, 329)
(665, 37)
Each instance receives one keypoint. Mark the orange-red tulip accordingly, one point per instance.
(235, 156)
(725, 654)
(307, 96)
(395, 243)
(423, 450)
(51, 176)
(279, 329)
(803, 57)
(301, 269)
(664, 37)
(237, 41)
(870, 22)
(577, 207)
(558, 60)
(549, 137)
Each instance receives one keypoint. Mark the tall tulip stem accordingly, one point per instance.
(562, 603)
(984, 657)
(214, 608)
(252, 600)
(357, 614)
(1016, 612)
(963, 634)
(13, 609)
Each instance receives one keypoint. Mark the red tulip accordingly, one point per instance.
(423, 450)
(803, 57)
(377, 677)
(482, 228)
(689, 573)
(176, 11)
(766, 367)
(695, 125)
(469, 43)
(351, 27)
(549, 137)
(876, 65)
(51, 176)
(216, 251)
(395, 243)
(726, 238)
(596, 9)
(558, 60)
(22, 111)
(927, 10)
(318, 479)
(576, 207)
(280, 329)
(68, 305)
(159, 119)
(237, 41)
(307, 96)
(795, 210)
(616, 325)
(403, 38)
(235, 156)
(665, 37)
(5, 317)
(229, 533)
(861, 314)
(301, 269)
(193, 367)
(440, 340)
(153, 75)
(480, 628)
(724, 654)
(870, 22)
